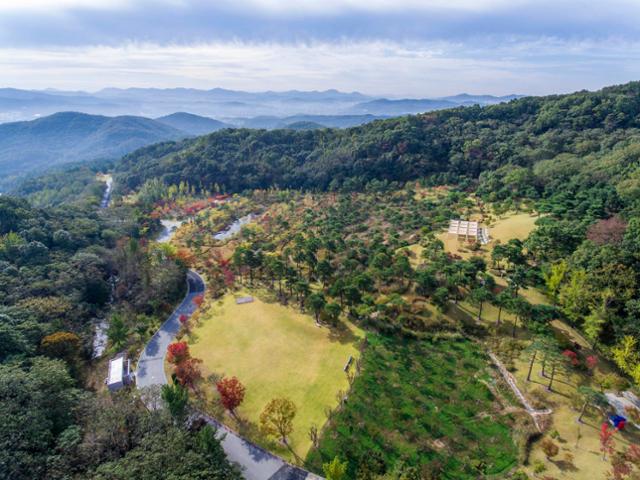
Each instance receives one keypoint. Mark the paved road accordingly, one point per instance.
(151, 363)
(257, 464)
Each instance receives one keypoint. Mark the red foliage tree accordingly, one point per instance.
(184, 321)
(229, 278)
(610, 230)
(572, 357)
(620, 467)
(607, 443)
(231, 393)
(591, 362)
(198, 300)
(178, 352)
(188, 372)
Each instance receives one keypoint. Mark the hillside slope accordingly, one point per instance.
(30, 147)
(585, 130)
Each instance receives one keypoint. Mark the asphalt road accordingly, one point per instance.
(256, 463)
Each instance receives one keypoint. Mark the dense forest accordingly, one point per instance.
(60, 269)
(578, 133)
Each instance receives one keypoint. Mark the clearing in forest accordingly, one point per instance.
(515, 225)
(275, 351)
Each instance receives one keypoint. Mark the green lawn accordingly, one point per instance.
(425, 403)
(275, 351)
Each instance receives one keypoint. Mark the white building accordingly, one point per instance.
(119, 373)
(468, 231)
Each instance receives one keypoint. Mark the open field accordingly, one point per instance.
(275, 352)
(515, 225)
(426, 403)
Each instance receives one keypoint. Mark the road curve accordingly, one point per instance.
(256, 463)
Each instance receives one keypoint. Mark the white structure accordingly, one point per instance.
(119, 374)
(468, 231)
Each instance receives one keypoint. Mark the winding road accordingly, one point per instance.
(256, 463)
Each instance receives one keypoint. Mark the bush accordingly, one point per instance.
(549, 448)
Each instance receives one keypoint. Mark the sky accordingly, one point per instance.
(396, 48)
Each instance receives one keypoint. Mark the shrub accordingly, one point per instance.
(549, 448)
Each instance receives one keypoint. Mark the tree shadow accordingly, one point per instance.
(343, 334)
(564, 465)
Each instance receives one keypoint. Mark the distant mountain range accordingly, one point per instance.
(155, 115)
(32, 147)
(218, 103)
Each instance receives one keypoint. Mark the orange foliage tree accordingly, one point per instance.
(231, 393)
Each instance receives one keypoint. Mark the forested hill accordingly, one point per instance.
(575, 130)
(29, 147)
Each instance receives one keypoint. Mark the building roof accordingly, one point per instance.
(463, 227)
(116, 371)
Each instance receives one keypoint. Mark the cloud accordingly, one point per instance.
(379, 67)
(40, 6)
(402, 47)
(83, 22)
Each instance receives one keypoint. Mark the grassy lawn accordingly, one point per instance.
(425, 403)
(515, 225)
(275, 351)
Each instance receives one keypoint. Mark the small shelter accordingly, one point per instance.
(468, 231)
(119, 373)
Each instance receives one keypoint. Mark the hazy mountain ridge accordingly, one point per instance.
(218, 103)
(36, 145)
(192, 124)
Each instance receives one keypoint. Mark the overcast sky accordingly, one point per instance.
(417, 48)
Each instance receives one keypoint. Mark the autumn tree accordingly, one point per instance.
(198, 300)
(553, 278)
(188, 372)
(607, 442)
(607, 231)
(231, 393)
(593, 324)
(178, 352)
(277, 418)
